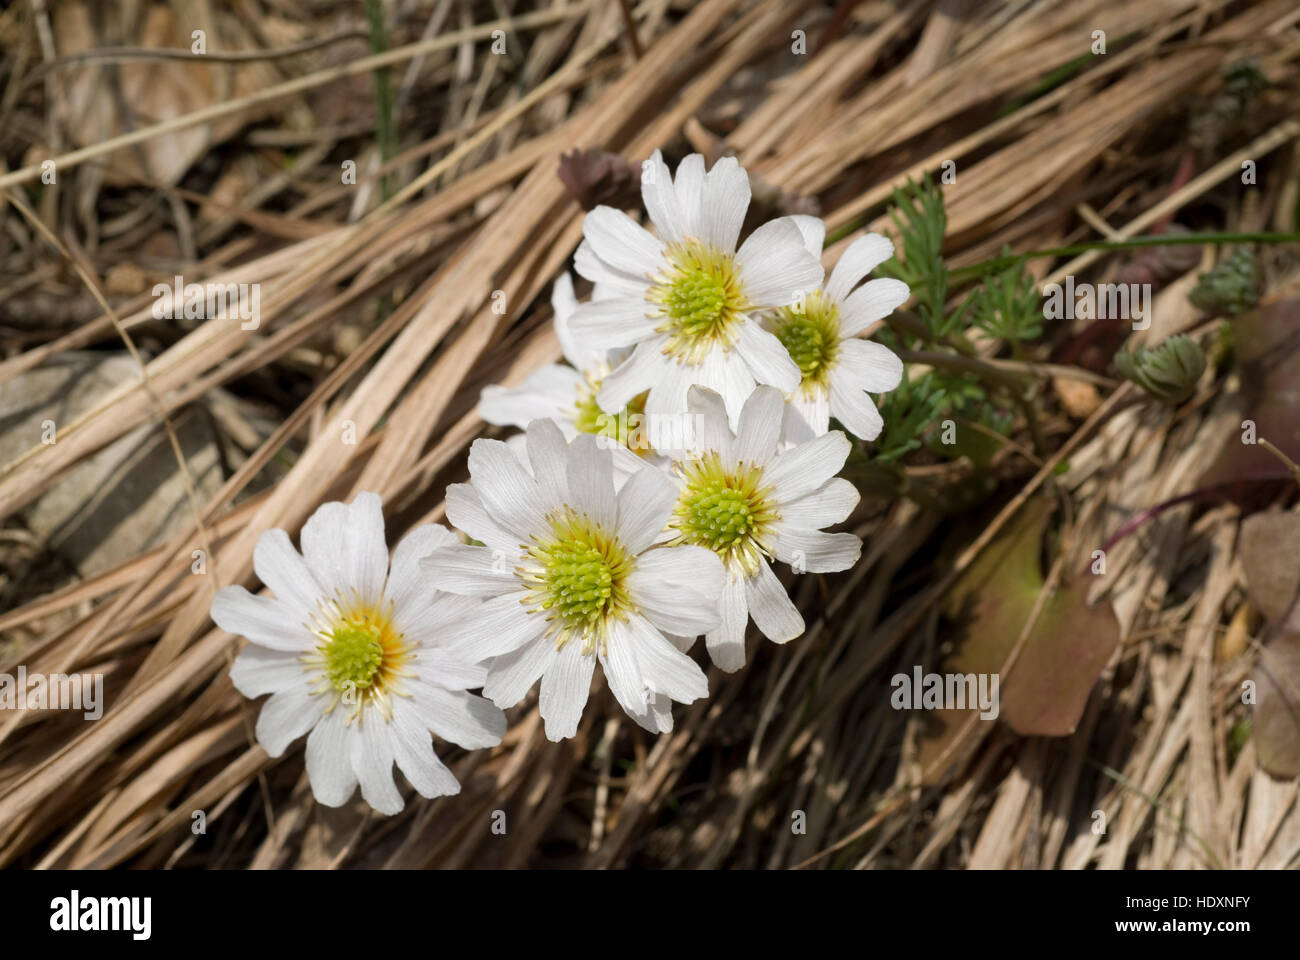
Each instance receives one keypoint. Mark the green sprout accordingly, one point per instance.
(1231, 288)
(921, 221)
(1168, 372)
(1007, 305)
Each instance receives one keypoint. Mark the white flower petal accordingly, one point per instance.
(860, 257)
(621, 242)
(678, 588)
(548, 452)
(726, 644)
(807, 415)
(622, 671)
(760, 426)
(644, 505)
(549, 391)
(258, 670)
(345, 548)
(633, 377)
(712, 430)
(769, 604)
(776, 268)
(372, 761)
(413, 753)
(466, 512)
(813, 231)
(443, 669)
(500, 625)
(286, 716)
(667, 396)
(508, 492)
(723, 202)
(329, 759)
(512, 675)
(683, 644)
(563, 299)
(802, 469)
(664, 668)
(830, 503)
(659, 195)
(459, 717)
(407, 584)
(658, 717)
(563, 305)
(817, 552)
(283, 570)
(591, 482)
(874, 300)
(470, 571)
(566, 685)
(767, 358)
(263, 620)
(425, 621)
(609, 281)
(723, 372)
(868, 366)
(613, 323)
(627, 464)
(853, 407)
(689, 187)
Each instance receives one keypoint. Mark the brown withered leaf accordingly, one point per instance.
(103, 101)
(1276, 728)
(1268, 362)
(1270, 558)
(1044, 692)
(597, 177)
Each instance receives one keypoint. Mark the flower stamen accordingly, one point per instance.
(361, 658)
(727, 510)
(578, 575)
(812, 338)
(699, 296)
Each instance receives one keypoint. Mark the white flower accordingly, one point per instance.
(821, 334)
(352, 652)
(572, 577)
(748, 503)
(567, 394)
(686, 299)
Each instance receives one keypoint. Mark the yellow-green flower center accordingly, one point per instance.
(361, 656)
(727, 510)
(354, 655)
(577, 575)
(812, 337)
(700, 299)
(622, 427)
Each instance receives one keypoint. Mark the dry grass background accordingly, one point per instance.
(377, 316)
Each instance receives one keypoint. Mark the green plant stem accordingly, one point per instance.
(386, 135)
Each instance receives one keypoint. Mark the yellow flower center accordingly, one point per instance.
(623, 427)
(578, 576)
(361, 656)
(700, 299)
(812, 338)
(729, 511)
